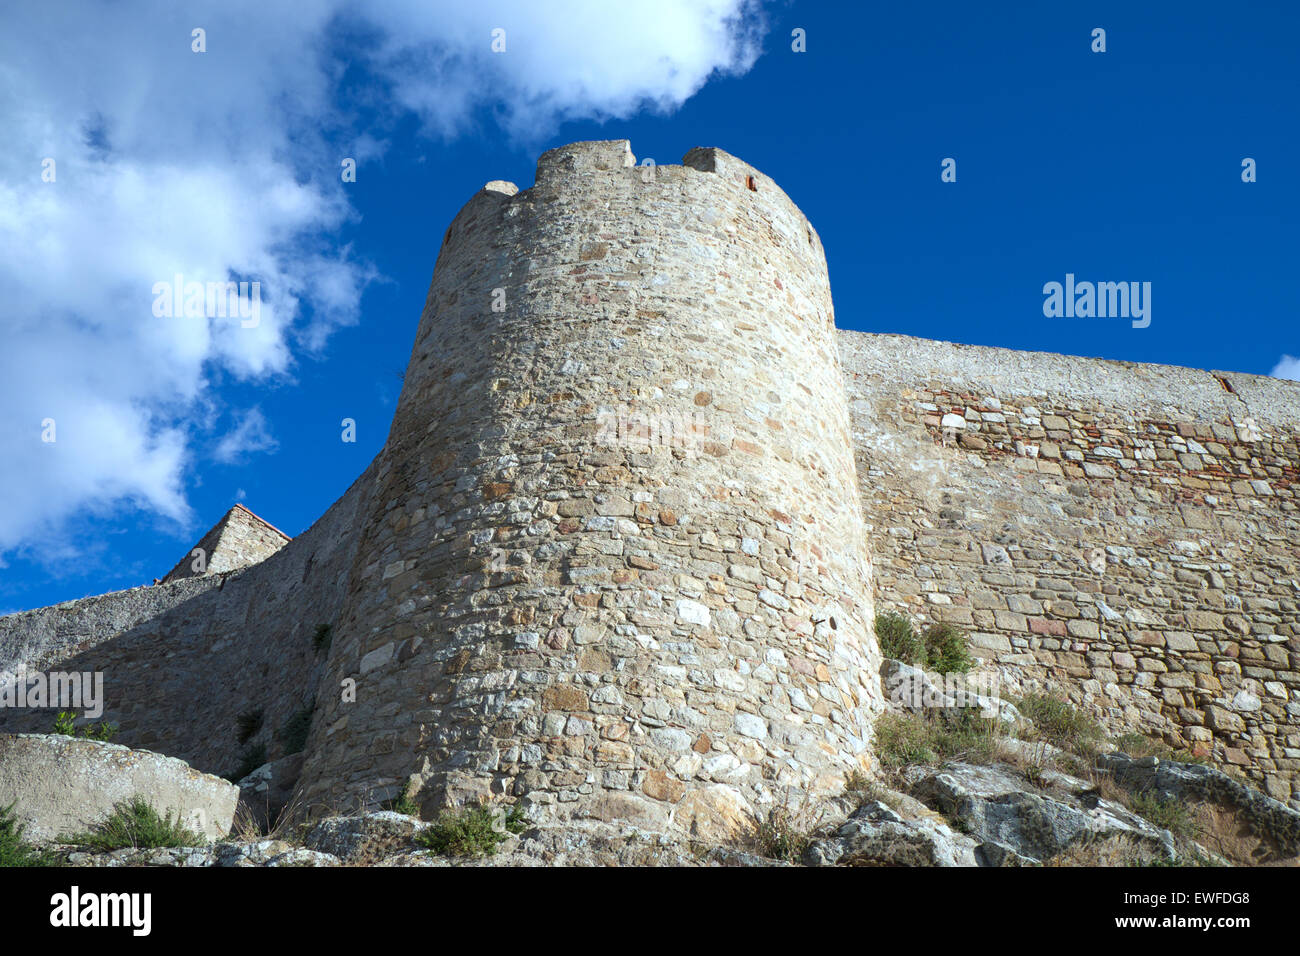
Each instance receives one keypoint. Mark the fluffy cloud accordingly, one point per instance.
(1287, 367)
(250, 436)
(221, 167)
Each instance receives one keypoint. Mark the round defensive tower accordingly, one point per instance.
(616, 566)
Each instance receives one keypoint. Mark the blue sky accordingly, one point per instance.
(1115, 166)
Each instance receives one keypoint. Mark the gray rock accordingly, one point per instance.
(372, 835)
(63, 785)
(878, 836)
(131, 856)
(916, 689)
(1008, 816)
(1171, 780)
(303, 857)
(257, 853)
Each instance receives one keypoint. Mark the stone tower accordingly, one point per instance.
(615, 564)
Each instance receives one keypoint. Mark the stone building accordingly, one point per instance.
(615, 559)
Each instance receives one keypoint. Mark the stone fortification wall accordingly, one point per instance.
(615, 564)
(616, 558)
(38, 638)
(1128, 534)
(182, 661)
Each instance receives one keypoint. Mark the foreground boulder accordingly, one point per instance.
(1274, 826)
(63, 785)
(364, 839)
(877, 835)
(1015, 823)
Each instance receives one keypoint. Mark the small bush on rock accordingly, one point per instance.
(65, 724)
(472, 831)
(779, 836)
(402, 803)
(135, 823)
(1171, 815)
(941, 647)
(1057, 722)
(946, 650)
(897, 638)
(904, 739)
(934, 736)
(13, 850)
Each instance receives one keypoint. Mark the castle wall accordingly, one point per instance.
(616, 558)
(182, 661)
(34, 639)
(1128, 534)
(615, 566)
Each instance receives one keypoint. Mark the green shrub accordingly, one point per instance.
(1171, 815)
(1057, 722)
(779, 836)
(248, 724)
(941, 647)
(934, 736)
(897, 638)
(946, 650)
(65, 724)
(100, 731)
(402, 803)
(323, 637)
(904, 739)
(13, 850)
(293, 735)
(471, 831)
(135, 823)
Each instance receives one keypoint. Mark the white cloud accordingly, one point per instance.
(223, 166)
(1287, 367)
(250, 436)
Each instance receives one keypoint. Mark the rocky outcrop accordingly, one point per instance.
(877, 835)
(61, 785)
(1270, 820)
(915, 689)
(367, 838)
(389, 839)
(1015, 823)
(270, 853)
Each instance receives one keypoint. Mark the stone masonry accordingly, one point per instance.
(615, 559)
(1128, 535)
(641, 623)
(239, 539)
